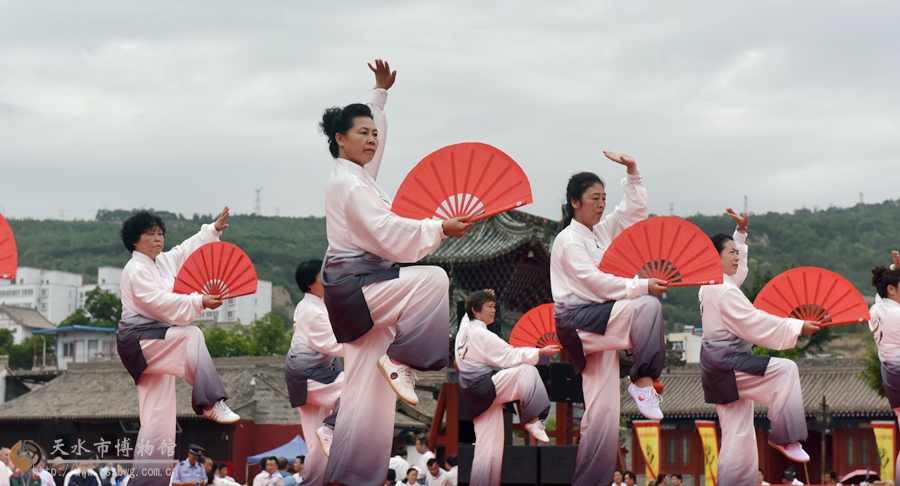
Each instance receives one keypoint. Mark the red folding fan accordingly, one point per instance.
(9, 256)
(217, 268)
(536, 329)
(461, 180)
(813, 294)
(664, 247)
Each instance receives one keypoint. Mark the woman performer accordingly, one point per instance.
(598, 314)
(313, 372)
(885, 325)
(391, 320)
(733, 377)
(491, 374)
(155, 342)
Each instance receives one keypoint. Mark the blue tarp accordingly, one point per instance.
(296, 447)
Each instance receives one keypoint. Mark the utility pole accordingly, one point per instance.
(258, 209)
(671, 209)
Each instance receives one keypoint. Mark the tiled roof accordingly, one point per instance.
(836, 379)
(495, 236)
(29, 318)
(264, 402)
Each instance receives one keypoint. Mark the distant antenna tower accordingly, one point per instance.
(746, 210)
(860, 198)
(671, 209)
(258, 208)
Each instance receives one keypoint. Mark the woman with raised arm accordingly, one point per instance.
(391, 320)
(156, 342)
(885, 325)
(598, 314)
(733, 377)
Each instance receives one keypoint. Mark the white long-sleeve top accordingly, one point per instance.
(478, 349)
(147, 285)
(312, 329)
(442, 479)
(358, 215)
(885, 325)
(728, 316)
(575, 279)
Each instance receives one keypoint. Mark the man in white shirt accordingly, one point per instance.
(271, 476)
(399, 463)
(451, 462)
(426, 454)
(435, 475)
(5, 471)
(298, 468)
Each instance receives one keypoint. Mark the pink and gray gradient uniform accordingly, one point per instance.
(314, 376)
(376, 308)
(491, 374)
(156, 345)
(734, 378)
(885, 325)
(598, 314)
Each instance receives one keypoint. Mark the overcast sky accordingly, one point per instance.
(189, 106)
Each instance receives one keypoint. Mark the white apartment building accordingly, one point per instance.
(687, 343)
(109, 279)
(56, 295)
(244, 309)
(51, 292)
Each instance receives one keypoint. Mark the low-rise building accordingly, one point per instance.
(79, 344)
(687, 343)
(22, 322)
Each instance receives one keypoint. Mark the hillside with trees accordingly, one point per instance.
(849, 241)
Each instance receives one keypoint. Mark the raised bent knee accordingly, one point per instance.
(436, 276)
(649, 303)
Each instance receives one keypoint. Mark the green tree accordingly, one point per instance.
(79, 317)
(871, 372)
(6, 340)
(104, 307)
(269, 335)
(265, 337)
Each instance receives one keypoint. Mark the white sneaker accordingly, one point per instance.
(402, 379)
(325, 436)
(647, 401)
(793, 451)
(221, 413)
(538, 431)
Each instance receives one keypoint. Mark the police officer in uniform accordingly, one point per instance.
(190, 472)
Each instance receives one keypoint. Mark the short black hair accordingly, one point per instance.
(302, 459)
(676, 475)
(476, 300)
(452, 459)
(431, 462)
(422, 440)
(270, 458)
(628, 474)
(391, 475)
(831, 474)
(719, 240)
(401, 451)
(138, 224)
(282, 463)
(339, 120)
(306, 273)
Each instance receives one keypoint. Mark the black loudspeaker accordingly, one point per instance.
(565, 384)
(520, 465)
(465, 456)
(558, 464)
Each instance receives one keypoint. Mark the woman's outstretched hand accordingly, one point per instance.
(551, 350)
(741, 221)
(657, 286)
(624, 159)
(384, 78)
(456, 227)
(810, 327)
(221, 222)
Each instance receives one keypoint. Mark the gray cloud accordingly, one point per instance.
(188, 106)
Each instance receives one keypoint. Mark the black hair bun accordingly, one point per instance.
(877, 275)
